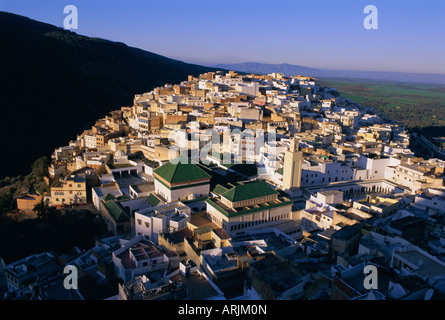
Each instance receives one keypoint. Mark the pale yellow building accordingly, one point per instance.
(72, 190)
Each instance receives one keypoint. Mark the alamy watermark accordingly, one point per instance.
(230, 146)
(371, 277)
(71, 20)
(71, 279)
(371, 20)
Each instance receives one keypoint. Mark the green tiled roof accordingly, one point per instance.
(242, 212)
(109, 196)
(153, 200)
(248, 191)
(123, 197)
(183, 171)
(219, 189)
(116, 211)
(280, 171)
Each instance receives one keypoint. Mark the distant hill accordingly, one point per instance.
(56, 83)
(264, 68)
(293, 70)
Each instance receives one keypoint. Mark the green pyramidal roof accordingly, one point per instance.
(116, 211)
(181, 170)
(248, 191)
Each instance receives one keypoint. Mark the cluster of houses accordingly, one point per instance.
(230, 186)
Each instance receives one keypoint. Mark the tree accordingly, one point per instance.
(39, 168)
(45, 211)
(6, 200)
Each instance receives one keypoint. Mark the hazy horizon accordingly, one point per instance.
(321, 34)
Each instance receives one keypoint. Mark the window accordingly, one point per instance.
(139, 221)
(147, 224)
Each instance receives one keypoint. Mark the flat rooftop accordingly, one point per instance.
(221, 233)
(170, 208)
(103, 191)
(143, 187)
(346, 232)
(286, 225)
(276, 274)
(120, 165)
(178, 236)
(142, 250)
(198, 288)
(413, 167)
(202, 221)
(273, 241)
(431, 195)
(330, 192)
(217, 259)
(177, 217)
(427, 266)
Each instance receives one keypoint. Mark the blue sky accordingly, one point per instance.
(315, 33)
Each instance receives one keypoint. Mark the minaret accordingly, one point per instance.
(293, 160)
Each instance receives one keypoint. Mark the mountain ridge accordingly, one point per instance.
(57, 83)
(294, 70)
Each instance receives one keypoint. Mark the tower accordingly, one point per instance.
(293, 160)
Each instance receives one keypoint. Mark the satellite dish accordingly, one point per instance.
(396, 291)
(429, 294)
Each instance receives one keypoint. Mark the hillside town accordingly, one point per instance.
(233, 186)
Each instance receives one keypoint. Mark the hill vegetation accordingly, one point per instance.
(420, 107)
(56, 83)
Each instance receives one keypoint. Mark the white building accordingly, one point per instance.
(375, 166)
(138, 256)
(251, 89)
(169, 217)
(247, 206)
(412, 176)
(432, 200)
(90, 141)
